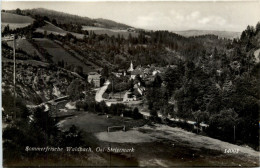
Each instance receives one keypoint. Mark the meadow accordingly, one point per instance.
(109, 32)
(50, 28)
(15, 21)
(60, 54)
(26, 46)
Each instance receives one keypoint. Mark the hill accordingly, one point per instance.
(66, 18)
(50, 28)
(15, 21)
(59, 23)
(222, 34)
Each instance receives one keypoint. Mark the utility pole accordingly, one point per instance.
(85, 92)
(120, 92)
(110, 155)
(112, 87)
(14, 73)
(197, 126)
(234, 133)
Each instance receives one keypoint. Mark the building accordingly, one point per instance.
(94, 77)
(136, 72)
(129, 96)
(131, 68)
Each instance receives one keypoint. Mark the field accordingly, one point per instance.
(26, 46)
(15, 21)
(157, 145)
(109, 32)
(60, 54)
(50, 28)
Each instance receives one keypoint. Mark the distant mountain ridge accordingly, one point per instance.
(222, 34)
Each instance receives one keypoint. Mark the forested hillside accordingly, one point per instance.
(218, 88)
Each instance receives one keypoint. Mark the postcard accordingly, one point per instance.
(130, 83)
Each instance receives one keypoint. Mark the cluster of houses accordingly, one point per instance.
(146, 73)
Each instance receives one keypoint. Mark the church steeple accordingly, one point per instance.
(131, 68)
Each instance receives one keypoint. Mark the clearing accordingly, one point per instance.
(50, 28)
(60, 54)
(109, 32)
(26, 46)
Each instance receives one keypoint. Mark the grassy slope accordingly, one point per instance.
(60, 54)
(110, 32)
(15, 21)
(13, 18)
(24, 45)
(50, 28)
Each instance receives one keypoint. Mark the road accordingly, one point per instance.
(256, 53)
(147, 114)
(101, 91)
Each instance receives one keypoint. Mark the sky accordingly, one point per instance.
(160, 15)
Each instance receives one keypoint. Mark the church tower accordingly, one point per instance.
(131, 68)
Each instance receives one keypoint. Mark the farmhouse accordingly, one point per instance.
(94, 77)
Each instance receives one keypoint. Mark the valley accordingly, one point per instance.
(180, 99)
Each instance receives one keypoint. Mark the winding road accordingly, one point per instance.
(101, 91)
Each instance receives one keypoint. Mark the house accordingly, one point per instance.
(155, 72)
(136, 72)
(94, 77)
(129, 96)
(131, 29)
(117, 74)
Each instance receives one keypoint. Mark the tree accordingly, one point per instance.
(75, 89)
(105, 72)
(72, 137)
(200, 116)
(18, 11)
(78, 69)
(157, 81)
(222, 124)
(153, 113)
(171, 78)
(54, 22)
(6, 30)
(257, 28)
(136, 114)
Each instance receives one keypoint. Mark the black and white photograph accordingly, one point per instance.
(130, 83)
